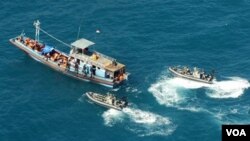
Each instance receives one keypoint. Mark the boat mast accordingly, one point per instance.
(37, 25)
(38, 29)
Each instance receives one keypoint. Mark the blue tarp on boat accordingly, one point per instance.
(47, 49)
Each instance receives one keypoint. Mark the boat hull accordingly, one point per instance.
(188, 77)
(88, 94)
(40, 58)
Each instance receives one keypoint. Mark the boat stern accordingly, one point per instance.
(125, 75)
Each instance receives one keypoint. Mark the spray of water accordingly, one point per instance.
(167, 91)
(142, 123)
(232, 88)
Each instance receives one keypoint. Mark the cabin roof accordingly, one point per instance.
(82, 43)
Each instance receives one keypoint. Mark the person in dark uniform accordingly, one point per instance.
(76, 67)
(91, 71)
(84, 69)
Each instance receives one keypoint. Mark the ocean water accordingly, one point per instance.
(40, 104)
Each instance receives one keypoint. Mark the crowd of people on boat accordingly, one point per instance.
(63, 60)
(109, 99)
(195, 73)
(115, 102)
(52, 55)
(30, 43)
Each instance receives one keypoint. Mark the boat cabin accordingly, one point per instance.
(95, 63)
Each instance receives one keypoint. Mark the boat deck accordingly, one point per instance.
(100, 61)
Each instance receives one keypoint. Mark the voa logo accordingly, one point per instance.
(236, 132)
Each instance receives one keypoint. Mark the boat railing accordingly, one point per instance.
(104, 56)
(80, 71)
(89, 60)
(98, 64)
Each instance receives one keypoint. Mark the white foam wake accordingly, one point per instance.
(141, 122)
(112, 116)
(165, 92)
(233, 114)
(232, 88)
(168, 91)
(132, 89)
(172, 93)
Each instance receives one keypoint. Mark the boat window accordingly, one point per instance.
(122, 70)
(79, 51)
(116, 73)
(85, 51)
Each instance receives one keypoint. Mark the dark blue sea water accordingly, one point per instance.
(40, 104)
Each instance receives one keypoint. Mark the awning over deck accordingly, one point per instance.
(47, 49)
(82, 43)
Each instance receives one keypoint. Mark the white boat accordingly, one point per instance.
(108, 101)
(81, 63)
(195, 74)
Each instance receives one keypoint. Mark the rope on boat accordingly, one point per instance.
(54, 38)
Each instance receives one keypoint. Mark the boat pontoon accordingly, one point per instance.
(194, 74)
(108, 101)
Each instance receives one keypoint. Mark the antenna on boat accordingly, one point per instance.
(79, 30)
(213, 72)
(22, 34)
(37, 25)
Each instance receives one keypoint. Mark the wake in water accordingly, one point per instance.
(233, 114)
(172, 93)
(232, 88)
(165, 90)
(132, 90)
(168, 91)
(140, 122)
